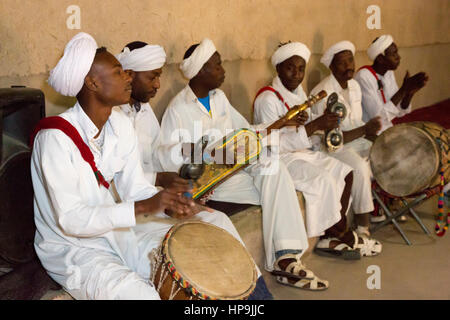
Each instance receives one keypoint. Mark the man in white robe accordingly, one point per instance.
(86, 241)
(202, 108)
(381, 95)
(339, 59)
(320, 177)
(145, 63)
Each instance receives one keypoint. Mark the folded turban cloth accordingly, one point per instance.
(328, 56)
(290, 49)
(67, 78)
(192, 65)
(150, 57)
(378, 47)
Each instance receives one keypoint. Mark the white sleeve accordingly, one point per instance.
(267, 110)
(167, 158)
(59, 181)
(371, 98)
(130, 182)
(318, 108)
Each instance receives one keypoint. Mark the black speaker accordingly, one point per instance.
(20, 110)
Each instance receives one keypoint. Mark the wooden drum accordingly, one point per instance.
(200, 261)
(407, 158)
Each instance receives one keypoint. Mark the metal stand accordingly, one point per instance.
(391, 217)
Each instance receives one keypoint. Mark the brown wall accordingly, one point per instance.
(33, 34)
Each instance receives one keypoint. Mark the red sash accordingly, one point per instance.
(72, 133)
(268, 88)
(380, 85)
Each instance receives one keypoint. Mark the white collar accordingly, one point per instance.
(190, 95)
(292, 97)
(87, 129)
(130, 110)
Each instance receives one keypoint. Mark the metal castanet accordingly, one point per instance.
(334, 138)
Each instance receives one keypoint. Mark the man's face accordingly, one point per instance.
(343, 65)
(113, 83)
(391, 58)
(145, 84)
(292, 72)
(213, 72)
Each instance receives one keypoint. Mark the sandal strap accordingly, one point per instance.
(295, 267)
(313, 283)
(325, 244)
(369, 247)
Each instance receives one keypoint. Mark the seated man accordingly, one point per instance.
(339, 58)
(200, 108)
(380, 93)
(84, 239)
(144, 63)
(321, 178)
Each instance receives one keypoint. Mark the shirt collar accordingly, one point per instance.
(130, 110)
(293, 98)
(191, 97)
(88, 128)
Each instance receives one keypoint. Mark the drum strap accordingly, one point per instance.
(440, 227)
(380, 84)
(268, 88)
(66, 127)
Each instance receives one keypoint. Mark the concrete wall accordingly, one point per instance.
(33, 34)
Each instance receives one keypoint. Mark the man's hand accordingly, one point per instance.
(413, 84)
(327, 121)
(172, 180)
(372, 127)
(299, 120)
(167, 199)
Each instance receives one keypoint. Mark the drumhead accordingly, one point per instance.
(404, 159)
(211, 260)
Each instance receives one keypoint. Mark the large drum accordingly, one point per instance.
(407, 158)
(200, 261)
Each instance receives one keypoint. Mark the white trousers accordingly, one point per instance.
(321, 179)
(104, 275)
(274, 190)
(362, 201)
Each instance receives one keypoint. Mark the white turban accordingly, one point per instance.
(378, 47)
(150, 57)
(336, 48)
(291, 49)
(192, 65)
(67, 78)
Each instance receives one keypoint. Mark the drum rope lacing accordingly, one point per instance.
(157, 260)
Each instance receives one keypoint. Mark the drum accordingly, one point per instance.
(200, 261)
(407, 158)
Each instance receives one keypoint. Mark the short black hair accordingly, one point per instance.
(135, 45)
(100, 50)
(283, 43)
(189, 51)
